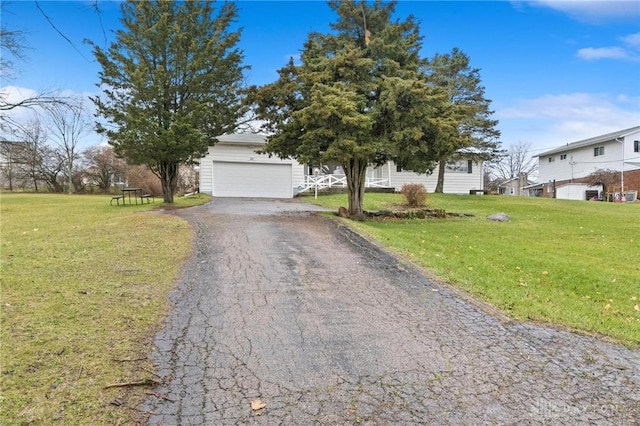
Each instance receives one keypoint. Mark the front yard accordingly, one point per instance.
(567, 263)
(84, 284)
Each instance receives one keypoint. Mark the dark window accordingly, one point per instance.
(469, 166)
(458, 166)
(552, 159)
(598, 151)
(398, 169)
(636, 146)
(563, 156)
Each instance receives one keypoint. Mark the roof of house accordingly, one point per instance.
(243, 139)
(591, 141)
(534, 186)
(515, 179)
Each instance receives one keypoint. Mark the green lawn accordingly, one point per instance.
(569, 263)
(84, 286)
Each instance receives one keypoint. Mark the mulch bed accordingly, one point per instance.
(423, 213)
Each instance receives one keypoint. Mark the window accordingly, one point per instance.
(598, 151)
(552, 159)
(636, 146)
(398, 169)
(460, 166)
(563, 156)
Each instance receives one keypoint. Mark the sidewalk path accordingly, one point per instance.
(291, 309)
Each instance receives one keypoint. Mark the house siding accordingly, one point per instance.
(233, 152)
(240, 148)
(454, 182)
(581, 162)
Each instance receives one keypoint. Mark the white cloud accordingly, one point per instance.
(11, 95)
(632, 41)
(593, 11)
(594, 53)
(630, 51)
(553, 120)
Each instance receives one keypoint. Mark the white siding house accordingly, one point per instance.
(565, 168)
(232, 168)
(459, 178)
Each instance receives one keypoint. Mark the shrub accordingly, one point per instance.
(142, 177)
(415, 194)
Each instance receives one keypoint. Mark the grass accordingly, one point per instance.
(84, 286)
(567, 263)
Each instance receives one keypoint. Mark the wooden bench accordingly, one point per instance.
(478, 191)
(147, 197)
(117, 198)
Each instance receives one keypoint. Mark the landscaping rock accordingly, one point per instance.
(499, 217)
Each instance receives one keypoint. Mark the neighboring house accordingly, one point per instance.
(233, 168)
(563, 170)
(517, 186)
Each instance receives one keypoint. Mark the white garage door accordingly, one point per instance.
(252, 180)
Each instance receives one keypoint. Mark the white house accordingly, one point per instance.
(563, 170)
(233, 168)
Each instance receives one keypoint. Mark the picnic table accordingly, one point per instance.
(129, 191)
(126, 196)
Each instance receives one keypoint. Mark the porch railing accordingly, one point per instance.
(336, 181)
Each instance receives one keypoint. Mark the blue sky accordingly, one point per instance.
(556, 71)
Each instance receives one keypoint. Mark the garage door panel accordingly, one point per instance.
(252, 180)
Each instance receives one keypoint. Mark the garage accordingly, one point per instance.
(263, 180)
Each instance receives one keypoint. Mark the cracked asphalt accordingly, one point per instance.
(282, 305)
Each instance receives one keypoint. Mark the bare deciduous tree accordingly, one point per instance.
(24, 155)
(516, 161)
(51, 168)
(69, 123)
(103, 166)
(605, 177)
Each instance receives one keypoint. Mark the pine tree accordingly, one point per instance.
(357, 98)
(476, 136)
(171, 84)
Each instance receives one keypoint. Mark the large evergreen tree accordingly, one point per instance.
(171, 83)
(357, 98)
(476, 136)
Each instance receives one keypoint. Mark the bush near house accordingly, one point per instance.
(415, 194)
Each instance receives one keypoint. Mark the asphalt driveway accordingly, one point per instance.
(281, 305)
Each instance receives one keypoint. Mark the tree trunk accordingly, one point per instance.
(70, 177)
(440, 185)
(356, 173)
(169, 179)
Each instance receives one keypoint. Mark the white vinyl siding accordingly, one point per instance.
(225, 154)
(454, 182)
(582, 160)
